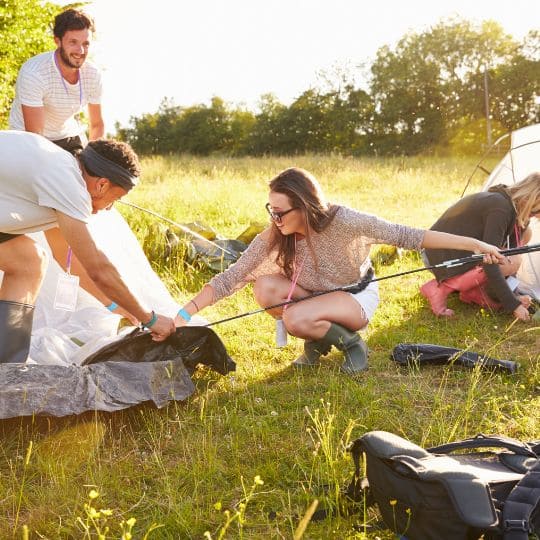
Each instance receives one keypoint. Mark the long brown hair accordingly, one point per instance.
(525, 196)
(304, 193)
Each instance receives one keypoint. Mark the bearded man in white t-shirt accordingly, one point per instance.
(54, 87)
(43, 188)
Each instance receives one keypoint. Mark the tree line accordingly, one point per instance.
(426, 94)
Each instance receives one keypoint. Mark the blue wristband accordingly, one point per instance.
(151, 322)
(184, 314)
(112, 306)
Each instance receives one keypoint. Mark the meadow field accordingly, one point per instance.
(249, 453)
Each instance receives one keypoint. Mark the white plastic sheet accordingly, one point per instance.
(57, 334)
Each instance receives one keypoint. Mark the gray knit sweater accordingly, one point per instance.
(339, 257)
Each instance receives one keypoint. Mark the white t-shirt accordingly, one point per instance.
(39, 84)
(36, 178)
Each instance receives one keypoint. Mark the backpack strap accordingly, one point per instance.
(485, 441)
(357, 490)
(521, 503)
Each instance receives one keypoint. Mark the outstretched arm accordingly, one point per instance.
(441, 240)
(203, 299)
(105, 276)
(59, 248)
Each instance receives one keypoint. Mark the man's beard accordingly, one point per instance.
(67, 61)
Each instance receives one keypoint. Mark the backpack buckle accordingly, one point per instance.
(521, 525)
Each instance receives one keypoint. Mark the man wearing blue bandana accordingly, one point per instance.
(43, 188)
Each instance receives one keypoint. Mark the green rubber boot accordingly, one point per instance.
(352, 345)
(15, 330)
(313, 350)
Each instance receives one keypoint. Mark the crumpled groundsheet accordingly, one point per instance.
(131, 370)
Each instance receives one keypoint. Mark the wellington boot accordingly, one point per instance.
(313, 350)
(15, 331)
(436, 294)
(351, 344)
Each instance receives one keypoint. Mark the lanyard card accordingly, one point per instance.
(67, 289)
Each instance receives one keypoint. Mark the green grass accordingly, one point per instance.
(196, 467)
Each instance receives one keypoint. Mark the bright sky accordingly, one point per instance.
(191, 50)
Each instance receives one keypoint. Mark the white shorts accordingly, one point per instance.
(368, 299)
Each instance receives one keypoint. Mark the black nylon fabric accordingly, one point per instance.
(132, 370)
(426, 353)
(193, 344)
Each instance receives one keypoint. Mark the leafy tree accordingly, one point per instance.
(424, 87)
(25, 30)
(202, 130)
(307, 124)
(426, 94)
(242, 123)
(268, 130)
(352, 121)
(199, 129)
(333, 121)
(514, 87)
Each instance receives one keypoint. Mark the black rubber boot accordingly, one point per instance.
(353, 347)
(15, 331)
(313, 350)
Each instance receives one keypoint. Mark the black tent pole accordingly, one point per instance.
(183, 228)
(357, 287)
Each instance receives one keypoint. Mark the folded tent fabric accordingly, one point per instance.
(132, 370)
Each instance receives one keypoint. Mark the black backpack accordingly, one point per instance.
(433, 494)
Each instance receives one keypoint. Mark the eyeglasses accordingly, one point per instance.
(277, 216)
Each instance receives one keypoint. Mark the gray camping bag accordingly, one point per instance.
(434, 494)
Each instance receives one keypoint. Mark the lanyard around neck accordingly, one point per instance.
(296, 274)
(68, 260)
(64, 82)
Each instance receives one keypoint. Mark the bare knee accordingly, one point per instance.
(269, 289)
(297, 323)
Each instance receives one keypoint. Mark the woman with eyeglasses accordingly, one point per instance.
(499, 216)
(312, 246)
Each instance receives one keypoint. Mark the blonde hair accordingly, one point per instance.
(525, 196)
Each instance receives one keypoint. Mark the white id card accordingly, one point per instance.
(67, 290)
(281, 333)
